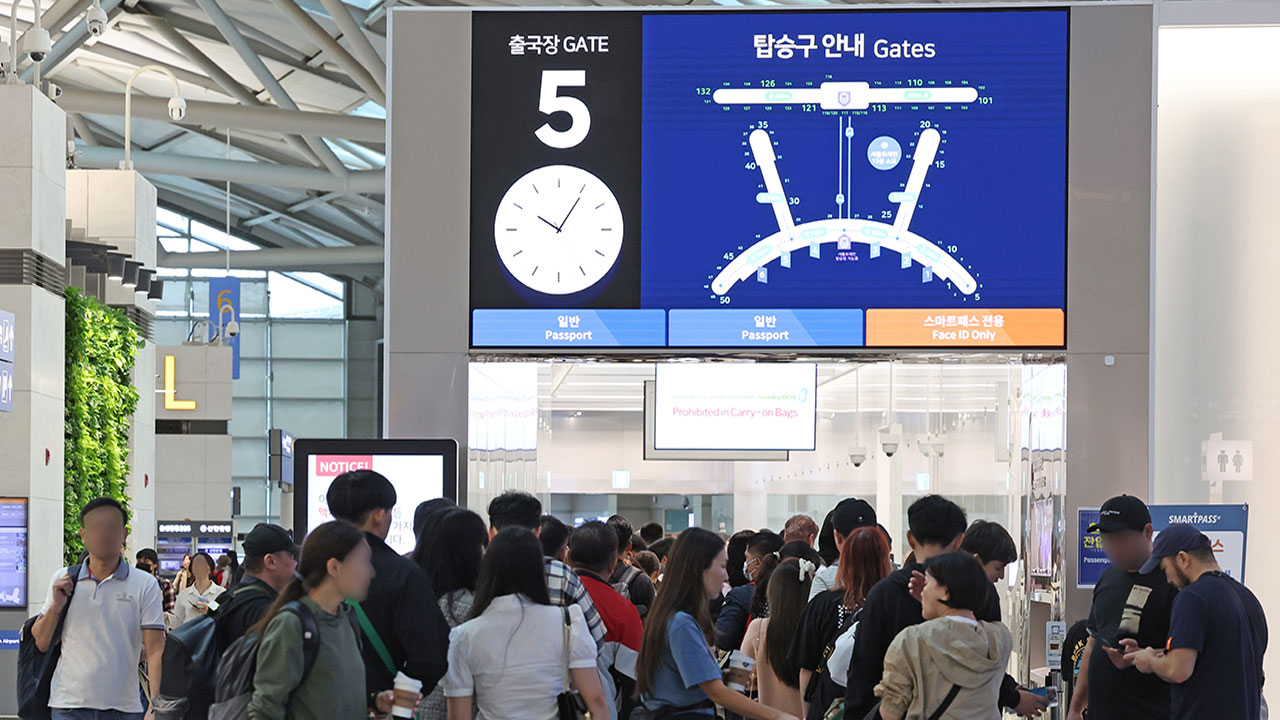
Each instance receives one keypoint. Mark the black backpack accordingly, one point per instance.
(35, 668)
(234, 687)
(190, 664)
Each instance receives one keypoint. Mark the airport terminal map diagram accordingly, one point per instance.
(854, 160)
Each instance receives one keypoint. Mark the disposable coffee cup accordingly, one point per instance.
(407, 691)
(738, 673)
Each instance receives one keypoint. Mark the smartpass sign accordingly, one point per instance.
(1226, 526)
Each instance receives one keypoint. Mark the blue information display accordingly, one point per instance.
(888, 179)
(13, 553)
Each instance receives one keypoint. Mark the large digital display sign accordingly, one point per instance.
(763, 180)
(420, 470)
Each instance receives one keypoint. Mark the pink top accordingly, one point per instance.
(773, 692)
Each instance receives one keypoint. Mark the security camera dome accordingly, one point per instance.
(37, 44)
(177, 107)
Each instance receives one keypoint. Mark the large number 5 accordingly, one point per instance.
(550, 101)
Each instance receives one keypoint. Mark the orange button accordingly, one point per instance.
(960, 328)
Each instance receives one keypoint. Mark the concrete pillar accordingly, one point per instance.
(193, 449)
(118, 208)
(32, 232)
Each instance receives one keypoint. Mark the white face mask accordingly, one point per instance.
(746, 569)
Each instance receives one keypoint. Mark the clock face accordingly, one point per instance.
(558, 229)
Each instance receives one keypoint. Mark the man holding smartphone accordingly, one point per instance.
(1127, 604)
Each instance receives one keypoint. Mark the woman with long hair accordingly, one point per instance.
(335, 567)
(737, 556)
(768, 639)
(183, 578)
(512, 654)
(676, 674)
(449, 551)
(193, 601)
(864, 561)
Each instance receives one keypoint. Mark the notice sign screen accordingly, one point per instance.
(719, 406)
(417, 478)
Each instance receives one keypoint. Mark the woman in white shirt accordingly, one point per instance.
(194, 600)
(511, 654)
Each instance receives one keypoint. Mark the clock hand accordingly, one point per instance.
(566, 217)
(548, 222)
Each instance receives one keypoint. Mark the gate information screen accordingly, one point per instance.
(769, 180)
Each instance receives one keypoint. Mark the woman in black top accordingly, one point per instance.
(864, 561)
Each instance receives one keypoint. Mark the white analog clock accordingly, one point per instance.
(558, 229)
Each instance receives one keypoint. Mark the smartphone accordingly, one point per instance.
(1105, 641)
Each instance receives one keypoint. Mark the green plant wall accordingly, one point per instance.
(100, 401)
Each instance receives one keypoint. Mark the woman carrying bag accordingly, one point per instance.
(677, 676)
(335, 567)
(193, 600)
(951, 666)
(513, 653)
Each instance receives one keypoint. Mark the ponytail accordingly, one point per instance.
(331, 541)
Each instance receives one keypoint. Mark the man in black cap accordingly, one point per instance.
(270, 564)
(849, 515)
(1218, 635)
(1127, 604)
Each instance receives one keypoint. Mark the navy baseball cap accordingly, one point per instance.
(1124, 512)
(1173, 540)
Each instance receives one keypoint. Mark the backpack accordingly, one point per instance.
(623, 586)
(35, 668)
(190, 665)
(234, 685)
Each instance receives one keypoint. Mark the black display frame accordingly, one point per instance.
(667, 350)
(303, 449)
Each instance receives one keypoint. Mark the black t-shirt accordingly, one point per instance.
(1209, 617)
(825, 619)
(241, 608)
(1072, 654)
(1128, 605)
(1257, 622)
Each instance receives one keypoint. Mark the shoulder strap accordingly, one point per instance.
(946, 703)
(310, 638)
(374, 639)
(568, 623)
(73, 572)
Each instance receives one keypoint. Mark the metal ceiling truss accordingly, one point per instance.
(336, 205)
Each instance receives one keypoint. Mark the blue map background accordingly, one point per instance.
(1000, 199)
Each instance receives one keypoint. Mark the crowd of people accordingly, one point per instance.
(522, 617)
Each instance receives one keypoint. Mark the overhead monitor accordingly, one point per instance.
(13, 552)
(420, 470)
(765, 180)
(651, 452)
(735, 406)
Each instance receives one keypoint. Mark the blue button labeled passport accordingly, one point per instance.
(568, 328)
(765, 328)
